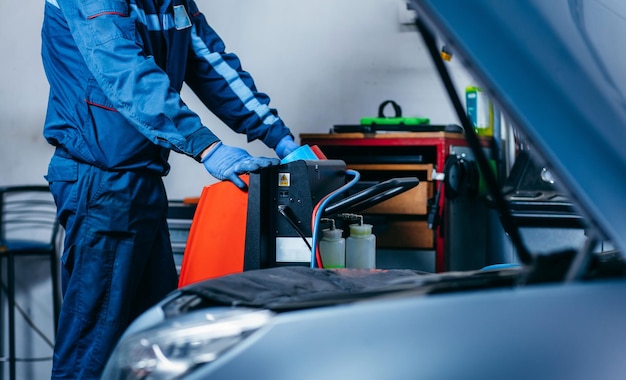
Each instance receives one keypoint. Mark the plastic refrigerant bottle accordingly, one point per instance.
(479, 110)
(333, 248)
(361, 247)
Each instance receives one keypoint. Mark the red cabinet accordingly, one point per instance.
(383, 156)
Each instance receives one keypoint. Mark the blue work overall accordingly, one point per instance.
(116, 69)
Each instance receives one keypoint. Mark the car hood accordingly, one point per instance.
(556, 71)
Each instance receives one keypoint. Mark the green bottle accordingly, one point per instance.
(479, 110)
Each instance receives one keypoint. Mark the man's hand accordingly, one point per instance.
(285, 146)
(227, 163)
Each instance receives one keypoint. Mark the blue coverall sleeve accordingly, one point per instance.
(218, 79)
(132, 81)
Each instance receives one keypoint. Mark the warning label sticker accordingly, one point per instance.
(284, 179)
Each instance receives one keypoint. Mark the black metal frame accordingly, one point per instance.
(23, 207)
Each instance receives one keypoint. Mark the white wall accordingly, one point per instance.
(323, 62)
(23, 94)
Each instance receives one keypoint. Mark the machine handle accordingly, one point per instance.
(371, 196)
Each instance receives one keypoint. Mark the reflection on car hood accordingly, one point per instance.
(557, 72)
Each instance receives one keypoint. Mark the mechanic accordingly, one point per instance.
(115, 69)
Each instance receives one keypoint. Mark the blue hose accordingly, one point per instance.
(323, 205)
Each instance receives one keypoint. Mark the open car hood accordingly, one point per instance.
(557, 71)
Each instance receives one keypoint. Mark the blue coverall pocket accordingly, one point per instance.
(62, 169)
(62, 176)
(114, 142)
(96, 8)
(109, 20)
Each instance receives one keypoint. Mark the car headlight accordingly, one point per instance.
(177, 346)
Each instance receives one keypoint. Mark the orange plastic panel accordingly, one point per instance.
(216, 243)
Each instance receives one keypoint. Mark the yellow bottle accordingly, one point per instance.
(361, 247)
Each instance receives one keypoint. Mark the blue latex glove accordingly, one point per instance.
(226, 163)
(285, 146)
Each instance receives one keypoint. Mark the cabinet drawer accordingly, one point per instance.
(422, 171)
(411, 202)
(405, 234)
